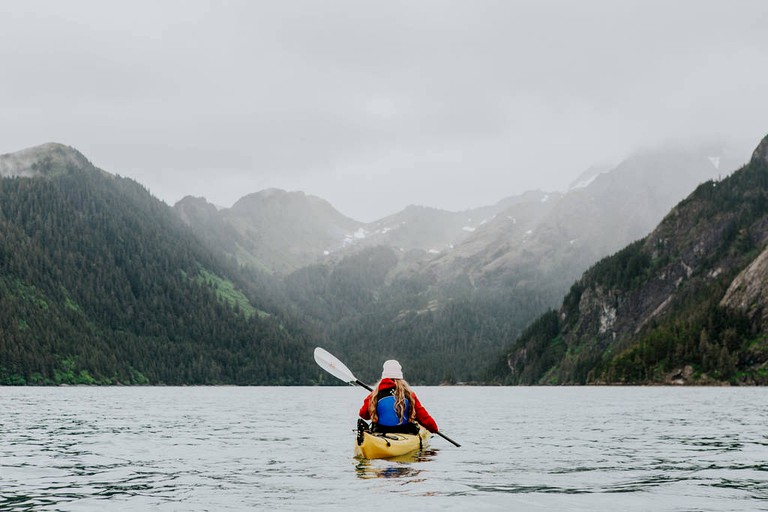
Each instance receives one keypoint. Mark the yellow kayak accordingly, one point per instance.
(375, 445)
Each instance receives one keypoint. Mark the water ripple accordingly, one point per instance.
(635, 449)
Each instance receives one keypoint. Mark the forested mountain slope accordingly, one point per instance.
(440, 335)
(101, 283)
(447, 315)
(685, 304)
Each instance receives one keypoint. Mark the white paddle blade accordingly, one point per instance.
(329, 363)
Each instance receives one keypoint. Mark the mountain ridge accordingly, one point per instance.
(444, 292)
(682, 305)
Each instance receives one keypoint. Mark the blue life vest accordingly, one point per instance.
(385, 409)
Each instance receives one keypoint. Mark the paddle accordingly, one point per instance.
(332, 365)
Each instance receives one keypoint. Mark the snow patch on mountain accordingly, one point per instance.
(354, 237)
(586, 178)
(584, 183)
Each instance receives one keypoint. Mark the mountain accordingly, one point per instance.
(536, 240)
(483, 258)
(684, 304)
(428, 230)
(279, 231)
(369, 311)
(547, 242)
(101, 283)
(273, 230)
(444, 292)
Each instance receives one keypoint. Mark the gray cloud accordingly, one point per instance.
(375, 105)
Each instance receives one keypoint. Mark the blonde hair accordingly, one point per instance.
(401, 393)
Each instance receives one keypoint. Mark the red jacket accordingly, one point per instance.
(422, 416)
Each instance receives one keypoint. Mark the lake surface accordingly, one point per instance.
(260, 448)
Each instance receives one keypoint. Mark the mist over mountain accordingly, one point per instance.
(547, 237)
(273, 230)
(547, 242)
(280, 232)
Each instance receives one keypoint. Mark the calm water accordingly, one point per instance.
(227, 448)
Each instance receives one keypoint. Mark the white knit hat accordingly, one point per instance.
(392, 370)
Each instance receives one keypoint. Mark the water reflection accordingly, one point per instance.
(365, 469)
(394, 467)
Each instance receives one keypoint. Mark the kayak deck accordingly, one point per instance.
(376, 445)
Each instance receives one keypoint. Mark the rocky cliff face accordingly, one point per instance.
(748, 293)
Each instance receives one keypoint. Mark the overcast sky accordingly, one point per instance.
(377, 105)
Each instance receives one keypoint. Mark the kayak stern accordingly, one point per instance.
(376, 445)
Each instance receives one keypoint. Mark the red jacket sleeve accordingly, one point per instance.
(422, 416)
(364, 412)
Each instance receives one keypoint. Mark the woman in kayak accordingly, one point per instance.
(393, 407)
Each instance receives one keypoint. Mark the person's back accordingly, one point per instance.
(392, 406)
